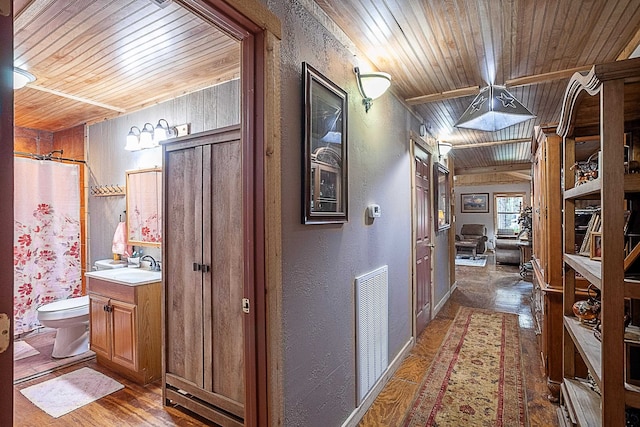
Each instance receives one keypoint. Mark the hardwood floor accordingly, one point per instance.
(134, 405)
(495, 287)
(491, 287)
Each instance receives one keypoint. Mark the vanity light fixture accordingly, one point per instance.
(21, 78)
(133, 139)
(371, 85)
(163, 131)
(146, 137)
(494, 108)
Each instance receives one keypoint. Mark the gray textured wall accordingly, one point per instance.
(210, 108)
(320, 262)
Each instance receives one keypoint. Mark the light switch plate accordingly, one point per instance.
(374, 211)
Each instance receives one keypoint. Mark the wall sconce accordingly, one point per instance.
(146, 137)
(150, 137)
(163, 131)
(133, 139)
(371, 85)
(494, 108)
(21, 78)
(444, 148)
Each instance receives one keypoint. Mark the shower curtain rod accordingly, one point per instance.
(48, 156)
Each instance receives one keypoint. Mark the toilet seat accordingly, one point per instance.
(64, 309)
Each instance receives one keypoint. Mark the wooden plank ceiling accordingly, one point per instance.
(97, 59)
(431, 47)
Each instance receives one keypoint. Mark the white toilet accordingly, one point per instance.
(71, 319)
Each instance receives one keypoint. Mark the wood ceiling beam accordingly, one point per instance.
(630, 47)
(520, 81)
(490, 143)
(519, 175)
(450, 94)
(545, 77)
(514, 167)
(76, 98)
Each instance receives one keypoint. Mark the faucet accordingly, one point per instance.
(154, 264)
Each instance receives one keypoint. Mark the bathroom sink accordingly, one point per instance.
(127, 276)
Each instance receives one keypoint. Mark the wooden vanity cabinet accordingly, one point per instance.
(125, 328)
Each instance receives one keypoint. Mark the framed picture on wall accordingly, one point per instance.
(477, 202)
(325, 149)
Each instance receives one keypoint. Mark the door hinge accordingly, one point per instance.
(245, 305)
(5, 326)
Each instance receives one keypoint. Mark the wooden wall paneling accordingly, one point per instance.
(30, 140)
(194, 111)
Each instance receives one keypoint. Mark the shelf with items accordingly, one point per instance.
(583, 403)
(604, 100)
(587, 345)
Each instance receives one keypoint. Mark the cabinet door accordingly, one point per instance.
(99, 326)
(223, 286)
(183, 253)
(124, 334)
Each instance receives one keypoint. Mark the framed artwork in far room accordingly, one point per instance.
(475, 202)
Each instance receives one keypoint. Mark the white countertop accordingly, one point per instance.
(127, 276)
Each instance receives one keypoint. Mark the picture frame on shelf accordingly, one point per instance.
(475, 202)
(595, 253)
(325, 149)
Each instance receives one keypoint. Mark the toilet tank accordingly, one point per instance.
(107, 264)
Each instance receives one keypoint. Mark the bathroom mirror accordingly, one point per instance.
(144, 207)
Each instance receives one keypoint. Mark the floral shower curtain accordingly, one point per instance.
(46, 248)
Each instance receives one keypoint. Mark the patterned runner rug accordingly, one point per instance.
(476, 378)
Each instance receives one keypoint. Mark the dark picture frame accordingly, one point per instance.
(325, 184)
(595, 251)
(474, 202)
(442, 197)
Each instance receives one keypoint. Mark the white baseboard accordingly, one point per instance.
(358, 413)
(441, 303)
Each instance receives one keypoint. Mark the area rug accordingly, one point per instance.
(70, 391)
(22, 350)
(480, 261)
(476, 378)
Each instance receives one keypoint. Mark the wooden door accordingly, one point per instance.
(123, 334)
(183, 315)
(99, 328)
(223, 285)
(422, 225)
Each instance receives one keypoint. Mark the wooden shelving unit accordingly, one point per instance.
(606, 102)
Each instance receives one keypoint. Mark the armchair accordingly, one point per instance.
(473, 239)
